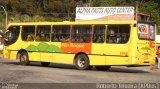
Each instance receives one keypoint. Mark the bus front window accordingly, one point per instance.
(11, 35)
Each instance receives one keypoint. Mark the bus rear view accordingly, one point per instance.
(145, 51)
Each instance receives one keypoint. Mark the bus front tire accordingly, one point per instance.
(102, 68)
(45, 64)
(24, 59)
(82, 62)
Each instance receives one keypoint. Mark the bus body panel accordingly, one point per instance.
(46, 57)
(97, 56)
(117, 54)
(6, 53)
(146, 54)
(115, 60)
(34, 56)
(63, 58)
(131, 53)
(98, 48)
(13, 54)
(97, 60)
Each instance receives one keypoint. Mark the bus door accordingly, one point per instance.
(11, 37)
(117, 37)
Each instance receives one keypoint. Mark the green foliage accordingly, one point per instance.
(107, 3)
(38, 18)
(25, 18)
(59, 10)
(55, 19)
(151, 8)
(104, 3)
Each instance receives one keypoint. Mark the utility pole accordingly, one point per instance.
(6, 15)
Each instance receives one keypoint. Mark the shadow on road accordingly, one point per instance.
(65, 66)
(128, 70)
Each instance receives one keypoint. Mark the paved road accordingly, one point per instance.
(12, 72)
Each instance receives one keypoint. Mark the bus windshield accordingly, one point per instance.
(11, 35)
(146, 31)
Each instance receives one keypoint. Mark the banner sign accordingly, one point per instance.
(104, 13)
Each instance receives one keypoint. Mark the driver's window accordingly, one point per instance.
(12, 35)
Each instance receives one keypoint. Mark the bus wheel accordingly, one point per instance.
(45, 64)
(82, 62)
(24, 59)
(102, 68)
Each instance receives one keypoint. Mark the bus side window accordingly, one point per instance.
(61, 33)
(81, 33)
(111, 35)
(98, 34)
(125, 38)
(118, 34)
(43, 33)
(30, 37)
(28, 33)
(124, 31)
(11, 35)
(37, 38)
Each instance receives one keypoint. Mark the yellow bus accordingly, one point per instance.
(84, 44)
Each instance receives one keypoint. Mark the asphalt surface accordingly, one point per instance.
(61, 76)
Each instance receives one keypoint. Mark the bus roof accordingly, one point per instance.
(72, 23)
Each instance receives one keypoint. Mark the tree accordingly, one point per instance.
(69, 7)
(54, 10)
(151, 8)
(104, 3)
